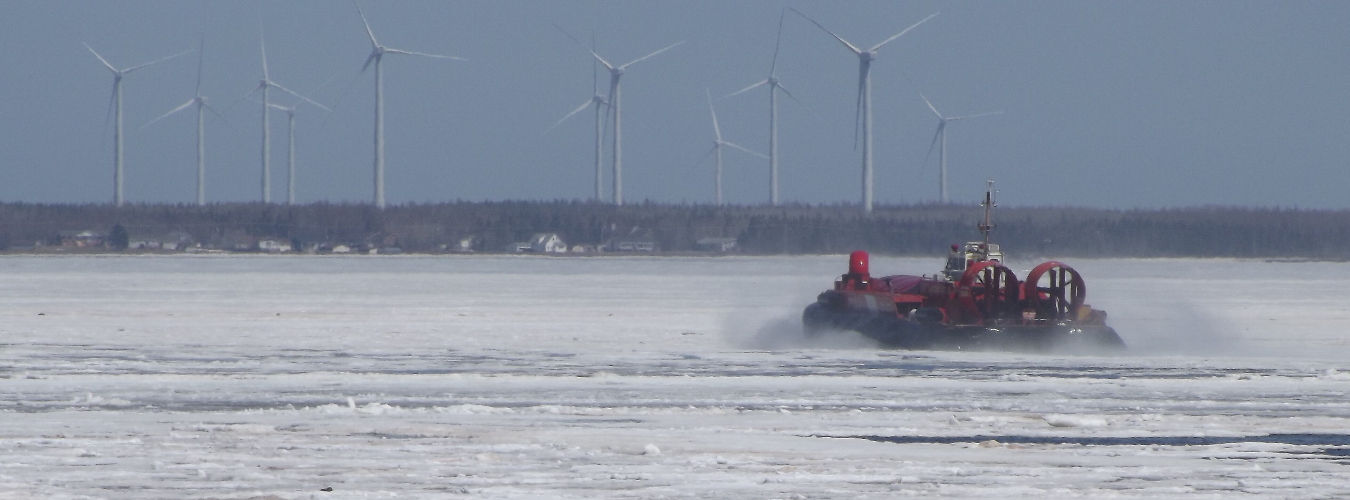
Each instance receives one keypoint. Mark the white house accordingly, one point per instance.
(273, 246)
(631, 244)
(547, 243)
(468, 244)
(717, 244)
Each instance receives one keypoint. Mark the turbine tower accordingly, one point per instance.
(290, 143)
(941, 134)
(200, 102)
(116, 101)
(717, 148)
(377, 53)
(599, 102)
(615, 103)
(863, 110)
(264, 85)
(774, 87)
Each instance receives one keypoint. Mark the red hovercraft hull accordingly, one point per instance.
(986, 309)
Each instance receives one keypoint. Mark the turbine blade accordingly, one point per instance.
(705, 156)
(930, 106)
(244, 97)
(744, 90)
(162, 59)
(789, 94)
(303, 98)
(107, 117)
(954, 118)
(716, 129)
(172, 111)
(101, 59)
(738, 146)
(897, 35)
(836, 37)
(583, 106)
(858, 104)
(262, 42)
(583, 46)
(201, 54)
(933, 144)
(605, 119)
(213, 111)
(370, 33)
(630, 63)
(373, 56)
(773, 69)
(423, 54)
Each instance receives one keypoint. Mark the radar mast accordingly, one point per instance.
(988, 205)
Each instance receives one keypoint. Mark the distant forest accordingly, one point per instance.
(793, 229)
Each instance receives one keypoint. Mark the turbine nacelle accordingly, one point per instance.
(867, 56)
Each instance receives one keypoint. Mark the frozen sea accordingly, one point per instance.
(236, 377)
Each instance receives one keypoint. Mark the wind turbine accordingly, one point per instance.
(599, 102)
(774, 87)
(717, 147)
(615, 73)
(942, 133)
(377, 53)
(264, 85)
(117, 101)
(200, 102)
(290, 143)
(863, 110)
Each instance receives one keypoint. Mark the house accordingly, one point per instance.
(382, 240)
(81, 239)
(236, 240)
(172, 241)
(631, 244)
(342, 249)
(468, 244)
(637, 240)
(547, 243)
(177, 240)
(274, 246)
(720, 245)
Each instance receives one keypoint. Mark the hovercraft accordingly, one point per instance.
(975, 304)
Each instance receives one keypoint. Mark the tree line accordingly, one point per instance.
(926, 229)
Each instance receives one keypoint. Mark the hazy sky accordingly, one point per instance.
(1107, 104)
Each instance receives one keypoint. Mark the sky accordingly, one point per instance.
(1105, 104)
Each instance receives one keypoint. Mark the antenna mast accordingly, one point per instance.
(988, 205)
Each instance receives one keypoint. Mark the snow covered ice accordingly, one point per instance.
(630, 377)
